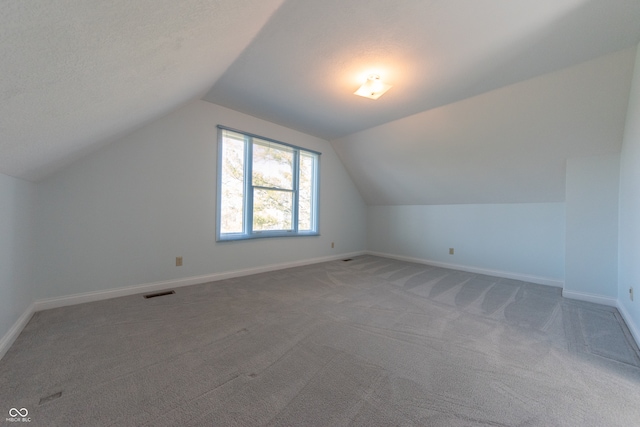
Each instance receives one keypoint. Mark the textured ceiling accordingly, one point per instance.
(302, 69)
(509, 145)
(78, 74)
(75, 74)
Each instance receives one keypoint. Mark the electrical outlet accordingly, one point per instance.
(178, 261)
(451, 251)
(631, 293)
(332, 246)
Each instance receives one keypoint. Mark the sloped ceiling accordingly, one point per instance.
(302, 69)
(489, 98)
(76, 74)
(509, 145)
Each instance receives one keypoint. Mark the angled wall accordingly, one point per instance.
(506, 146)
(523, 241)
(120, 216)
(591, 271)
(629, 208)
(17, 256)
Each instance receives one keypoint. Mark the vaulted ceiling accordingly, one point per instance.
(509, 145)
(305, 64)
(76, 75)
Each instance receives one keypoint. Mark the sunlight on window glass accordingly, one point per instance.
(232, 197)
(266, 188)
(305, 194)
(272, 165)
(272, 209)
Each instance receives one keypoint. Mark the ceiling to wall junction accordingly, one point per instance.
(509, 145)
(471, 81)
(304, 65)
(77, 74)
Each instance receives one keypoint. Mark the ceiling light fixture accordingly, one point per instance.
(373, 88)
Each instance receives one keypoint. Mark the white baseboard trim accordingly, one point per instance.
(597, 299)
(63, 301)
(470, 269)
(44, 304)
(9, 338)
(633, 328)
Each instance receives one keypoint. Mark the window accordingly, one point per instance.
(265, 188)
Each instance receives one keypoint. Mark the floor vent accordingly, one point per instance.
(54, 396)
(348, 259)
(159, 294)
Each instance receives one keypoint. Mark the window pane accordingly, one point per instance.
(305, 195)
(232, 188)
(272, 165)
(265, 188)
(272, 210)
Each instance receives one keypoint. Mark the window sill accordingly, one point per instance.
(264, 235)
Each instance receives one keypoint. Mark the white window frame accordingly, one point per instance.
(248, 232)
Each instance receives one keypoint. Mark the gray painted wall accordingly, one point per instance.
(504, 146)
(592, 225)
(524, 239)
(17, 225)
(629, 246)
(121, 215)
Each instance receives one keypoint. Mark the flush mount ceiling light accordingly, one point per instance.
(373, 88)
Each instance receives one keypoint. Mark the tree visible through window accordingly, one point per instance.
(266, 188)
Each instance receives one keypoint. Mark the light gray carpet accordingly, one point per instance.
(367, 342)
